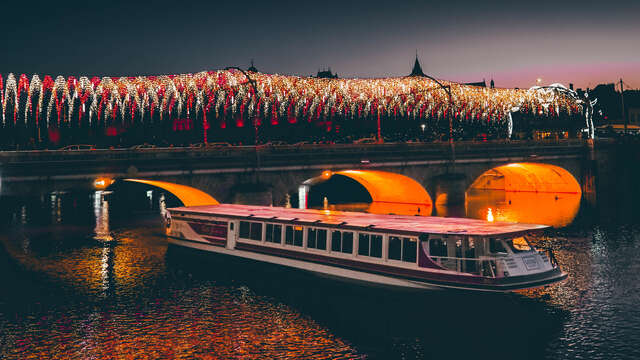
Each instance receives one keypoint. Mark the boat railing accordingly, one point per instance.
(481, 266)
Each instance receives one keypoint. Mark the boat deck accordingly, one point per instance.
(370, 222)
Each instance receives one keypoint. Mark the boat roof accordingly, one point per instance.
(364, 221)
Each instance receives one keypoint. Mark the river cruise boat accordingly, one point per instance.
(394, 250)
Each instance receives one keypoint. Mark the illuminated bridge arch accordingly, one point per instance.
(381, 191)
(528, 177)
(188, 195)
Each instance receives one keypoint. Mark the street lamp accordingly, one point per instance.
(255, 121)
(255, 91)
(447, 89)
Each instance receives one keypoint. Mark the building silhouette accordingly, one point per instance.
(252, 68)
(417, 72)
(326, 74)
(482, 83)
(417, 69)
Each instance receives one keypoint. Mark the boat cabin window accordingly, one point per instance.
(465, 248)
(437, 247)
(336, 241)
(347, 242)
(256, 231)
(251, 230)
(342, 241)
(519, 244)
(317, 239)
(370, 245)
(470, 248)
(274, 233)
(244, 229)
(293, 235)
(395, 248)
(496, 247)
(402, 248)
(409, 250)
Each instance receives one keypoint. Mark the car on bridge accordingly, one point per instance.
(369, 140)
(211, 145)
(275, 143)
(215, 145)
(143, 147)
(78, 147)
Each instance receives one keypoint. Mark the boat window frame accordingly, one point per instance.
(266, 233)
(369, 236)
(316, 230)
(294, 231)
(332, 241)
(402, 239)
(260, 230)
(443, 240)
(251, 231)
(341, 252)
(248, 229)
(353, 246)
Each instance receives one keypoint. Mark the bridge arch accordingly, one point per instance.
(188, 195)
(528, 177)
(376, 191)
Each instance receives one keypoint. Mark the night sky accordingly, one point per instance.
(582, 42)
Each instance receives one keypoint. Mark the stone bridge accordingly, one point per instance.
(266, 174)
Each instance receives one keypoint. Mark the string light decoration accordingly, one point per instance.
(224, 96)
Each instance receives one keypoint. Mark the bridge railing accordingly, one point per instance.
(433, 149)
(119, 161)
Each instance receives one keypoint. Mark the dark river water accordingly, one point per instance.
(87, 276)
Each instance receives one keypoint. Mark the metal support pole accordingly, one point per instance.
(451, 144)
(622, 100)
(255, 121)
(379, 131)
(447, 89)
(205, 124)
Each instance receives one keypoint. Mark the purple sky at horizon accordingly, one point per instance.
(581, 42)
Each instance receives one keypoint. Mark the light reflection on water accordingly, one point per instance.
(553, 209)
(118, 299)
(104, 288)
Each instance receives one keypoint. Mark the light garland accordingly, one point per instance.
(228, 96)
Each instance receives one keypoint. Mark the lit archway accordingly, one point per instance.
(373, 191)
(528, 177)
(188, 195)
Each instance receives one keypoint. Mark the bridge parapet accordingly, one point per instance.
(62, 168)
(16, 163)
